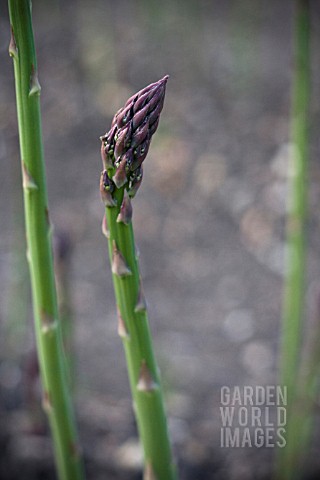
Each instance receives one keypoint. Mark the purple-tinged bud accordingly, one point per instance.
(119, 266)
(134, 97)
(156, 99)
(135, 182)
(144, 90)
(139, 117)
(107, 148)
(120, 177)
(142, 100)
(110, 136)
(126, 145)
(125, 214)
(129, 157)
(154, 115)
(107, 183)
(106, 189)
(146, 383)
(106, 160)
(140, 135)
(114, 120)
(146, 95)
(120, 142)
(124, 116)
(140, 154)
(154, 126)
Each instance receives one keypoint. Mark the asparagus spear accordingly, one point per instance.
(56, 400)
(294, 289)
(123, 149)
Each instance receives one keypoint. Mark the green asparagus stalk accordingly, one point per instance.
(123, 150)
(294, 298)
(56, 401)
(297, 208)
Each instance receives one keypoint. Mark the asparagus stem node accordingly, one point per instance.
(104, 227)
(35, 87)
(13, 51)
(146, 383)
(119, 265)
(141, 305)
(122, 329)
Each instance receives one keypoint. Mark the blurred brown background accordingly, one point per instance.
(208, 220)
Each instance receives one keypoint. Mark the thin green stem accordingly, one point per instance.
(294, 298)
(56, 399)
(135, 333)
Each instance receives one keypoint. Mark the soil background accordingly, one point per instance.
(208, 220)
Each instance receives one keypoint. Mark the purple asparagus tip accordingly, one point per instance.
(125, 146)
